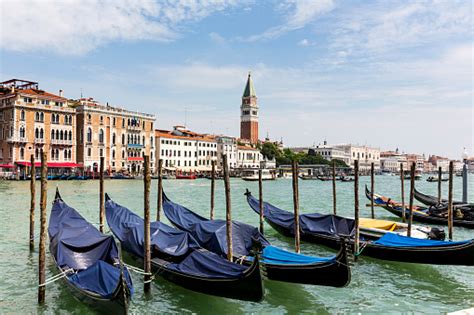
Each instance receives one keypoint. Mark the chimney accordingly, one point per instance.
(61, 93)
(13, 89)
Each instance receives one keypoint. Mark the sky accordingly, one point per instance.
(389, 74)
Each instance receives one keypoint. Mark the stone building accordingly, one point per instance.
(32, 120)
(121, 136)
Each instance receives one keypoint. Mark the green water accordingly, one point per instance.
(377, 286)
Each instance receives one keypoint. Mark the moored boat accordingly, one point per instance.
(435, 214)
(280, 265)
(89, 261)
(328, 230)
(178, 258)
(252, 175)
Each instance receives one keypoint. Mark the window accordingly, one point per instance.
(41, 117)
(113, 121)
(37, 116)
(22, 153)
(70, 135)
(89, 152)
(101, 120)
(113, 138)
(123, 138)
(89, 135)
(123, 123)
(41, 133)
(52, 134)
(28, 100)
(101, 136)
(22, 115)
(57, 134)
(65, 154)
(123, 154)
(113, 154)
(101, 152)
(22, 132)
(45, 102)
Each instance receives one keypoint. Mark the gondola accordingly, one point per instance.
(324, 178)
(433, 201)
(89, 259)
(420, 214)
(433, 179)
(328, 229)
(177, 257)
(280, 265)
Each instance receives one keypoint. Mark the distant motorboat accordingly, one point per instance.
(252, 175)
(436, 179)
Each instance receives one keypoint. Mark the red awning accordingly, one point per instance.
(7, 166)
(135, 159)
(52, 164)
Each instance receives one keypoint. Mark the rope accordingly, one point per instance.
(137, 270)
(361, 249)
(57, 277)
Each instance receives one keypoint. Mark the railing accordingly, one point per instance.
(134, 127)
(17, 139)
(61, 142)
(38, 140)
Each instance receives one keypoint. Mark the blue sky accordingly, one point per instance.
(385, 73)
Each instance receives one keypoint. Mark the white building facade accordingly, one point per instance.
(248, 157)
(366, 155)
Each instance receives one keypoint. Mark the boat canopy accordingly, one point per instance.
(128, 228)
(377, 224)
(396, 240)
(327, 224)
(77, 244)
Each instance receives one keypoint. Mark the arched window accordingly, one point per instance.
(113, 154)
(36, 133)
(61, 135)
(52, 134)
(151, 141)
(65, 154)
(113, 137)
(128, 122)
(41, 117)
(41, 133)
(70, 154)
(57, 154)
(123, 139)
(123, 154)
(37, 116)
(22, 132)
(52, 154)
(57, 134)
(89, 135)
(101, 136)
(22, 153)
(143, 140)
(36, 153)
(70, 135)
(22, 115)
(128, 139)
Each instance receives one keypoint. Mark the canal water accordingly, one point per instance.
(377, 286)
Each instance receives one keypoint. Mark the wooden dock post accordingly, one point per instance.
(146, 232)
(450, 201)
(101, 195)
(32, 202)
(412, 194)
(228, 208)
(42, 242)
(372, 189)
(464, 182)
(440, 173)
(296, 204)
(356, 209)
(260, 198)
(213, 188)
(160, 190)
(402, 179)
(334, 188)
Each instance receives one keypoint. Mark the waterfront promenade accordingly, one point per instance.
(376, 287)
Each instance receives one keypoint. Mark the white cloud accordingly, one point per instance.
(298, 13)
(384, 27)
(77, 27)
(303, 42)
(217, 38)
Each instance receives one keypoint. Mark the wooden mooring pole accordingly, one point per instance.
(372, 189)
(32, 202)
(450, 201)
(228, 208)
(42, 243)
(101, 195)
(334, 203)
(296, 204)
(146, 232)
(440, 173)
(356, 209)
(402, 180)
(412, 194)
(160, 190)
(213, 188)
(260, 199)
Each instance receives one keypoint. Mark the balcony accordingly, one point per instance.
(134, 146)
(39, 141)
(135, 128)
(61, 142)
(17, 139)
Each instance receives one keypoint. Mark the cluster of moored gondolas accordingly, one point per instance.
(193, 254)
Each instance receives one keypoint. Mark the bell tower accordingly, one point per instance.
(249, 113)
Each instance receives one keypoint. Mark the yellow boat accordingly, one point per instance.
(377, 228)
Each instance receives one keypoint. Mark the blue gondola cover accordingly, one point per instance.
(77, 244)
(396, 240)
(165, 240)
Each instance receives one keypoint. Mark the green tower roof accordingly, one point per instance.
(249, 88)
